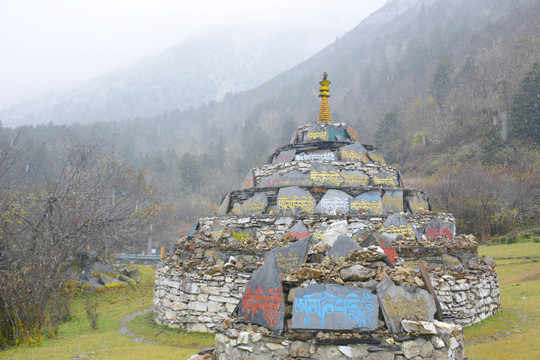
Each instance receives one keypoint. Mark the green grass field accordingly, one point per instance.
(513, 333)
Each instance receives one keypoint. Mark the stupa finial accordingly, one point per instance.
(324, 112)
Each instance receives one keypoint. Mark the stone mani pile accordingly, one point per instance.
(321, 255)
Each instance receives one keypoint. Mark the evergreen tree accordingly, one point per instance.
(524, 114)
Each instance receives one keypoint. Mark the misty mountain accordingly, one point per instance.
(203, 68)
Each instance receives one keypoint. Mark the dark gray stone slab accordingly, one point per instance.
(334, 307)
(255, 205)
(417, 203)
(397, 224)
(262, 302)
(354, 178)
(293, 200)
(316, 133)
(354, 152)
(298, 231)
(325, 174)
(268, 181)
(334, 202)
(385, 180)
(438, 228)
(398, 304)
(342, 245)
(248, 181)
(384, 241)
(294, 178)
(392, 201)
(376, 157)
(285, 156)
(224, 207)
(290, 258)
(369, 202)
(236, 209)
(318, 234)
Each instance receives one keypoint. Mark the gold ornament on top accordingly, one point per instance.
(324, 112)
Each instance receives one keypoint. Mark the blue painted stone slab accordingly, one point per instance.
(334, 307)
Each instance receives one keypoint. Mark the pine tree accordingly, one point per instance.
(524, 119)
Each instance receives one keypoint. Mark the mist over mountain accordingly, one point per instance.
(203, 68)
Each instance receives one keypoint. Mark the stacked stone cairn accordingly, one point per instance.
(324, 254)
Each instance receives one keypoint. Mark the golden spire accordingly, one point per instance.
(324, 111)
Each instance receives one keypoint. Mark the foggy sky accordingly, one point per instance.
(47, 44)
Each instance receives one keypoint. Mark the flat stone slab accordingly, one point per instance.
(293, 200)
(255, 205)
(354, 153)
(242, 234)
(383, 240)
(353, 135)
(334, 307)
(342, 245)
(334, 202)
(316, 156)
(417, 203)
(398, 225)
(354, 178)
(438, 228)
(369, 202)
(224, 207)
(294, 178)
(384, 179)
(316, 133)
(248, 181)
(298, 231)
(398, 304)
(392, 201)
(325, 174)
(376, 157)
(285, 156)
(269, 181)
(262, 302)
(290, 258)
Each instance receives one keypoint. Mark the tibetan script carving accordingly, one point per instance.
(324, 177)
(317, 135)
(294, 203)
(355, 178)
(332, 307)
(368, 206)
(352, 155)
(393, 201)
(256, 300)
(330, 156)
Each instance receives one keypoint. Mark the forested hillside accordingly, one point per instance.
(447, 89)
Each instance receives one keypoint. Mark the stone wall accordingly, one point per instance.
(470, 297)
(251, 344)
(197, 300)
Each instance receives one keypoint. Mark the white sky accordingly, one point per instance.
(47, 44)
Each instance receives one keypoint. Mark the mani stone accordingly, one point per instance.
(224, 207)
(438, 228)
(353, 135)
(316, 133)
(397, 224)
(268, 181)
(262, 302)
(369, 202)
(237, 209)
(316, 156)
(241, 234)
(337, 134)
(255, 205)
(325, 174)
(342, 245)
(285, 156)
(418, 203)
(293, 200)
(385, 242)
(353, 153)
(392, 201)
(318, 234)
(334, 307)
(398, 304)
(290, 258)
(248, 181)
(294, 178)
(298, 231)
(376, 156)
(334, 202)
(384, 179)
(354, 178)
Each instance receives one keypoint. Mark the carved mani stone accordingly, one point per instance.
(293, 200)
(334, 202)
(342, 245)
(262, 302)
(334, 307)
(255, 205)
(438, 228)
(290, 258)
(298, 231)
(398, 304)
